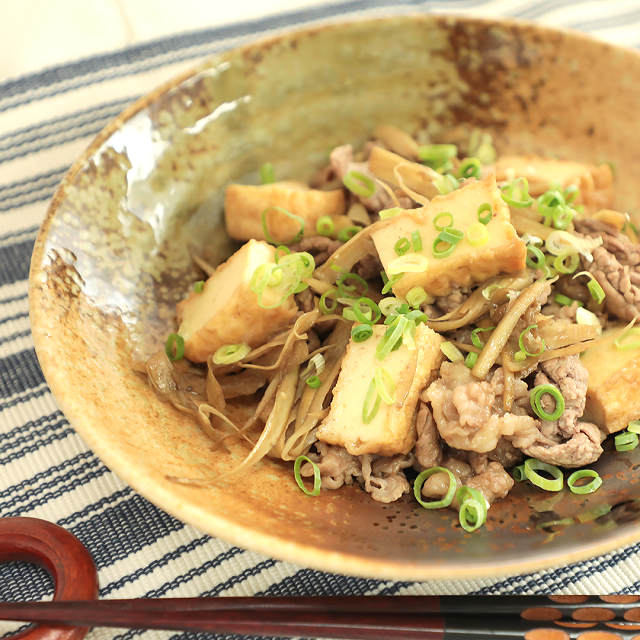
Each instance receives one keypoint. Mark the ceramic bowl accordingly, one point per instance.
(112, 259)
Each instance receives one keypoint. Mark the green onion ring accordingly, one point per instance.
(516, 194)
(626, 441)
(451, 235)
(198, 287)
(562, 218)
(347, 233)
(411, 262)
(402, 246)
(178, 340)
(486, 209)
(285, 252)
(373, 309)
(438, 217)
(314, 382)
(590, 487)
(475, 339)
(359, 184)
(518, 473)
(473, 508)
(442, 253)
(325, 226)
(431, 152)
(469, 168)
(293, 216)
(416, 240)
(323, 301)
(477, 234)
(385, 386)
(634, 426)
(531, 468)
(537, 393)
(390, 213)
(391, 338)
(416, 296)
(317, 482)
(230, 353)
(361, 332)
(595, 289)
(628, 346)
(390, 281)
(521, 342)
(533, 251)
(371, 403)
(446, 500)
(344, 289)
(574, 261)
(565, 301)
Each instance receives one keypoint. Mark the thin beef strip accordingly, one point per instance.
(383, 477)
(320, 247)
(337, 466)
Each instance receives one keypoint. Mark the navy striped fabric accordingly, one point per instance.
(46, 471)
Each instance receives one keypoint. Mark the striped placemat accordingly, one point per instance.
(46, 471)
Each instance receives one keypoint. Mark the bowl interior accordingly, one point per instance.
(113, 258)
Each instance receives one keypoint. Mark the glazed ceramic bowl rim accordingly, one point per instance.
(243, 536)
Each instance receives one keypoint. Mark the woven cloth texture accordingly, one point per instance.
(46, 471)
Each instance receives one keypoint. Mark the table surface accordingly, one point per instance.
(64, 73)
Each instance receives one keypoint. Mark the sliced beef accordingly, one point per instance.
(385, 480)
(369, 267)
(494, 483)
(337, 466)
(427, 449)
(320, 247)
(452, 301)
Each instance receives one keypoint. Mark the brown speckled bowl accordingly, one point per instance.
(112, 259)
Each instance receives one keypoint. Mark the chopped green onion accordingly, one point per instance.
(390, 213)
(372, 313)
(440, 216)
(597, 292)
(485, 213)
(532, 252)
(293, 216)
(198, 287)
(584, 316)
(627, 346)
(442, 253)
(269, 276)
(516, 194)
(481, 146)
(316, 364)
(390, 304)
(178, 341)
(371, 403)
(571, 193)
(521, 342)
(267, 174)
(277, 276)
(446, 184)
(487, 292)
(391, 338)
(565, 301)
(626, 441)
(346, 234)
(471, 359)
(469, 168)
(301, 262)
(345, 289)
(475, 339)
(385, 386)
(435, 152)
(634, 426)
(361, 332)
(323, 301)
(416, 240)
(537, 393)
(317, 482)
(231, 353)
(325, 226)
(446, 500)
(359, 184)
(416, 296)
(390, 281)
(451, 351)
(560, 264)
(531, 468)
(402, 246)
(473, 508)
(477, 234)
(518, 473)
(520, 356)
(314, 382)
(562, 218)
(589, 487)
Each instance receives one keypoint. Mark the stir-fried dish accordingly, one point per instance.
(420, 318)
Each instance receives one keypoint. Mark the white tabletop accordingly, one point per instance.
(37, 34)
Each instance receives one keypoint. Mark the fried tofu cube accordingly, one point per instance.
(504, 252)
(595, 182)
(227, 311)
(612, 391)
(392, 430)
(244, 205)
